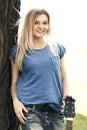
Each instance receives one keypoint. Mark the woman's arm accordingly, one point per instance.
(18, 106)
(14, 79)
(64, 78)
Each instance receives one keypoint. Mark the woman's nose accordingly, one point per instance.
(41, 25)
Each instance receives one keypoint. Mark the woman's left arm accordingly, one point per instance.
(64, 78)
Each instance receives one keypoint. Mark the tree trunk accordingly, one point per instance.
(8, 17)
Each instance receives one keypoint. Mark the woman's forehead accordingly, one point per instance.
(41, 17)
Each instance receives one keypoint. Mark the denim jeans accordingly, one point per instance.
(39, 120)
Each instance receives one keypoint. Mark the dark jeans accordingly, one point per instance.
(42, 119)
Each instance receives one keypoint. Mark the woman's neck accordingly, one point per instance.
(39, 43)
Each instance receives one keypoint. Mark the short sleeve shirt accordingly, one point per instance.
(40, 81)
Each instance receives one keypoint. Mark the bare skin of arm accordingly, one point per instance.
(64, 78)
(18, 106)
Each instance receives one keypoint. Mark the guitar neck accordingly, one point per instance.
(69, 112)
(69, 124)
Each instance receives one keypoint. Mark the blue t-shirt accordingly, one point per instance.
(40, 80)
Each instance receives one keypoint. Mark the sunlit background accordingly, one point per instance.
(69, 26)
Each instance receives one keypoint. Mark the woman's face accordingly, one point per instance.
(40, 26)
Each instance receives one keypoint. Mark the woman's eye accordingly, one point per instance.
(36, 23)
(45, 23)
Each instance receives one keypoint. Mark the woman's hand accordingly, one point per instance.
(19, 108)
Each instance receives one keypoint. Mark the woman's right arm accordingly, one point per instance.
(18, 106)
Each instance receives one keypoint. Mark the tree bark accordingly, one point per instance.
(8, 17)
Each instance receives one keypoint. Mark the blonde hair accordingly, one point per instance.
(25, 37)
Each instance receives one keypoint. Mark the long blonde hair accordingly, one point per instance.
(25, 37)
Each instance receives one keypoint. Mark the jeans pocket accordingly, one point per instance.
(57, 118)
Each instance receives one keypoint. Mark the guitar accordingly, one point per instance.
(69, 112)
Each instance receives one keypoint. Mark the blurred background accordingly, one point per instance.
(69, 27)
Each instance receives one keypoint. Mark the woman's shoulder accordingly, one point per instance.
(14, 47)
(13, 52)
(58, 44)
(60, 48)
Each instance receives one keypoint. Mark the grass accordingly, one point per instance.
(79, 122)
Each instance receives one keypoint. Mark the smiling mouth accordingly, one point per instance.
(40, 31)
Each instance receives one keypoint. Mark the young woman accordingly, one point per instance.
(39, 82)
